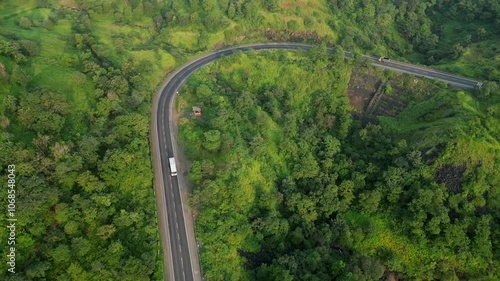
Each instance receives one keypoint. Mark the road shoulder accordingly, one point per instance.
(186, 189)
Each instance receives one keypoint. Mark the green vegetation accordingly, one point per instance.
(290, 187)
(76, 83)
(75, 122)
(454, 35)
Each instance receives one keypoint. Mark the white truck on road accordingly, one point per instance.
(173, 168)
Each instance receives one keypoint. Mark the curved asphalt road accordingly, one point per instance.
(419, 71)
(177, 235)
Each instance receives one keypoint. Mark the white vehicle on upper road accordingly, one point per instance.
(173, 168)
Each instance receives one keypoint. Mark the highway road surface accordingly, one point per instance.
(418, 71)
(177, 235)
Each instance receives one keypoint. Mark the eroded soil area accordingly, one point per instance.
(373, 93)
(361, 89)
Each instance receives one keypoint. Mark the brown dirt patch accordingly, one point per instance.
(286, 5)
(390, 105)
(361, 89)
(289, 36)
(219, 45)
(68, 3)
(390, 276)
(361, 93)
(451, 176)
(3, 73)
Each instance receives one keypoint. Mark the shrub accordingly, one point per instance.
(293, 25)
(29, 48)
(48, 24)
(25, 23)
(388, 90)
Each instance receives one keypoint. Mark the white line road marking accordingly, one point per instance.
(173, 198)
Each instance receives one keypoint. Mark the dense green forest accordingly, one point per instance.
(75, 123)
(76, 82)
(291, 187)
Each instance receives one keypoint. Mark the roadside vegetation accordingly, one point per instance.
(75, 123)
(76, 83)
(290, 187)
